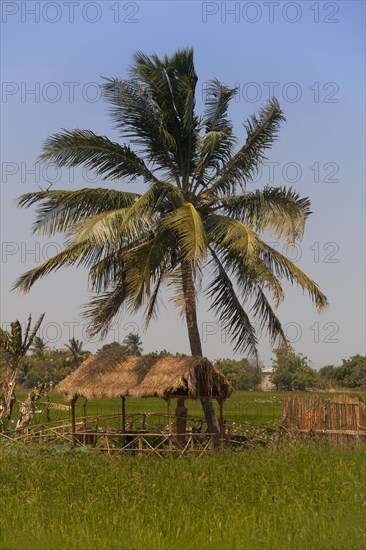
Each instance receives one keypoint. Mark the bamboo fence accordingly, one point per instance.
(341, 415)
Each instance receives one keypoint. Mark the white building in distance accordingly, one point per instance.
(266, 384)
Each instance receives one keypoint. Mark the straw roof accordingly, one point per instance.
(146, 376)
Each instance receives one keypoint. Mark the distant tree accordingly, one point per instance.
(242, 375)
(351, 374)
(291, 370)
(15, 344)
(39, 346)
(77, 354)
(51, 368)
(162, 353)
(327, 376)
(114, 348)
(133, 344)
(357, 367)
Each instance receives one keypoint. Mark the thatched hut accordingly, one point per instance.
(111, 376)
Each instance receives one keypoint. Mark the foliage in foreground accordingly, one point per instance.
(300, 497)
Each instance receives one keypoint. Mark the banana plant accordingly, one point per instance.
(15, 346)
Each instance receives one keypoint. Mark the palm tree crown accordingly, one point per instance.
(133, 343)
(39, 346)
(196, 219)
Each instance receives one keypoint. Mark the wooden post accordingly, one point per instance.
(169, 416)
(181, 420)
(73, 422)
(221, 421)
(84, 412)
(123, 415)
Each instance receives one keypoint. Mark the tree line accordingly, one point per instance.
(291, 370)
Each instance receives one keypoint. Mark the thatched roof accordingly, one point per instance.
(111, 376)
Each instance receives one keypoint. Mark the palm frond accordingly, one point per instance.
(82, 253)
(279, 211)
(216, 146)
(284, 268)
(144, 265)
(141, 119)
(268, 321)
(127, 225)
(102, 309)
(28, 341)
(233, 235)
(98, 153)
(244, 165)
(153, 301)
(230, 311)
(61, 209)
(217, 99)
(186, 224)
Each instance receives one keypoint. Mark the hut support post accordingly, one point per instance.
(73, 421)
(221, 422)
(84, 411)
(169, 416)
(123, 414)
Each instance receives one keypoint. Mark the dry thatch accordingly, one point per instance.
(111, 376)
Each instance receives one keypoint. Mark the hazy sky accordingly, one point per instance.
(310, 55)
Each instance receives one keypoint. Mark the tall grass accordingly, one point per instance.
(302, 497)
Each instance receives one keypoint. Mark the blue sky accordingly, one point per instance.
(309, 54)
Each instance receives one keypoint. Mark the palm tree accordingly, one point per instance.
(195, 221)
(39, 347)
(15, 346)
(133, 343)
(77, 353)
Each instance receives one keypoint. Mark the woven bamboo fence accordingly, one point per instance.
(341, 415)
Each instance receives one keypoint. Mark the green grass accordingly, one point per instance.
(252, 406)
(302, 497)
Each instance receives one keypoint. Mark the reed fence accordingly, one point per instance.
(341, 415)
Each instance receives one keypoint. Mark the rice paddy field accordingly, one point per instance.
(251, 406)
(279, 497)
(275, 498)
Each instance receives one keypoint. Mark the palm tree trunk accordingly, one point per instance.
(196, 347)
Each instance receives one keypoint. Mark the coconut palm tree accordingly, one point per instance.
(39, 347)
(196, 220)
(77, 354)
(15, 345)
(133, 343)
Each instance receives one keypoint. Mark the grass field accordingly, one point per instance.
(252, 406)
(302, 497)
(284, 497)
